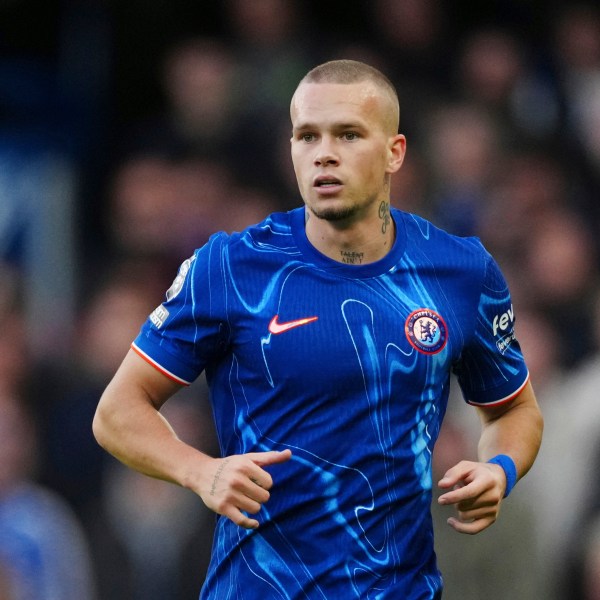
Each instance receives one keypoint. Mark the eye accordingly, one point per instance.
(307, 137)
(350, 136)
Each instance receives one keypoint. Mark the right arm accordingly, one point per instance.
(128, 425)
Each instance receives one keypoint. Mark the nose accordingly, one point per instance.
(325, 154)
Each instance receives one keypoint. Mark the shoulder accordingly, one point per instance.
(424, 236)
(275, 224)
(273, 234)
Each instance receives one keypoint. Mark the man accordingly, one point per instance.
(328, 335)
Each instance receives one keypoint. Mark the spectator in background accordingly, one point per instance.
(411, 192)
(14, 353)
(152, 540)
(65, 398)
(495, 71)
(37, 196)
(414, 37)
(569, 401)
(580, 577)
(201, 103)
(272, 49)
(161, 206)
(43, 552)
(527, 185)
(560, 269)
(270, 52)
(576, 57)
(577, 54)
(591, 562)
(7, 589)
(199, 80)
(583, 575)
(148, 197)
(489, 66)
(463, 146)
(534, 222)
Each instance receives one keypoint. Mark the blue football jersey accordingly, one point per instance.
(348, 366)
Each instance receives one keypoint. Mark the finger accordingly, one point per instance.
(261, 478)
(473, 491)
(483, 512)
(245, 485)
(448, 482)
(469, 527)
(240, 519)
(257, 493)
(459, 494)
(456, 474)
(248, 505)
(265, 482)
(486, 501)
(235, 507)
(271, 457)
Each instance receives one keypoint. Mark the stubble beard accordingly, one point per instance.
(347, 210)
(334, 214)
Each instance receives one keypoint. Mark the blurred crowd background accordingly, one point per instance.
(130, 131)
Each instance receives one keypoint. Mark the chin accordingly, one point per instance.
(333, 213)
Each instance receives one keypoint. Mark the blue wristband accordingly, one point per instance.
(509, 468)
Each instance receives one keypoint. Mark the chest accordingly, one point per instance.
(347, 334)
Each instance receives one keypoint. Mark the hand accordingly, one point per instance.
(477, 490)
(238, 483)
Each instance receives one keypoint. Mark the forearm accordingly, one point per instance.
(477, 488)
(516, 432)
(128, 425)
(140, 437)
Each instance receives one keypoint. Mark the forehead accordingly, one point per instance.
(316, 103)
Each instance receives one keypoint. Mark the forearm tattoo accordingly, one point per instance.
(213, 489)
(384, 215)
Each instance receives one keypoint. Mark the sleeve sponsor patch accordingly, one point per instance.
(177, 284)
(503, 329)
(158, 316)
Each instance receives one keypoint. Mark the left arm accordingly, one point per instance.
(477, 488)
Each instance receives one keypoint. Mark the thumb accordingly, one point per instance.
(270, 458)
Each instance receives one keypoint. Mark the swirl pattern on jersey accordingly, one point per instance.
(305, 353)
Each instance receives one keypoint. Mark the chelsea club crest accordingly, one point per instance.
(426, 331)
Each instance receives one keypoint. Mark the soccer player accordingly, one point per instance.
(328, 335)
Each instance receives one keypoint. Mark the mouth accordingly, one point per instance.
(324, 181)
(326, 185)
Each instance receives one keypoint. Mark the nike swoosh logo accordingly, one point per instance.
(276, 327)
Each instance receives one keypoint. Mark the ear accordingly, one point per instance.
(397, 150)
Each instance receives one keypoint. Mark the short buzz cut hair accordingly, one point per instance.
(347, 71)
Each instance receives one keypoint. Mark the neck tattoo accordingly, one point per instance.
(384, 215)
(352, 258)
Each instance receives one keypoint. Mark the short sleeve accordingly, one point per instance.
(491, 369)
(189, 329)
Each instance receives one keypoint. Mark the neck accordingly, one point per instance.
(358, 243)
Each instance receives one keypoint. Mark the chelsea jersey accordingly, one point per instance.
(348, 366)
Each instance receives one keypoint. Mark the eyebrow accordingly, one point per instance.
(334, 126)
